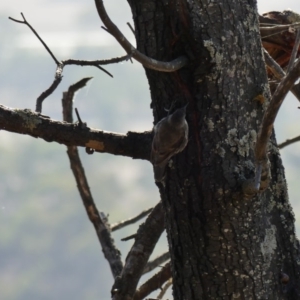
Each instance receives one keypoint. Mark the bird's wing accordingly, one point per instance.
(160, 156)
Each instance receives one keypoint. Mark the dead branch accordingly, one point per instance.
(272, 110)
(273, 65)
(82, 63)
(146, 61)
(133, 144)
(111, 253)
(122, 224)
(289, 142)
(251, 186)
(272, 30)
(130, 237)
(165, 288)
(62, 64)
(151, 265)
(294, 52)
(37, 35)
(153, 283)
(279, 73)
(146, 239)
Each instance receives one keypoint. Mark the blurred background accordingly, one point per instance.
(48, 247)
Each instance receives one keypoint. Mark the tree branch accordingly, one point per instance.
(279, 73)
(146, 239)
(111, 253)
(62, 64)
(154, 283)
(272, 110)
(133, 144)
(37, 35)
(272, 30)
(294, 52)
(146, 61)
(151, 265)
(262, 169)
(122, 224)
(165, 288)
(289, 142)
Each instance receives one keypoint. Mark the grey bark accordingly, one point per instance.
(223, 245)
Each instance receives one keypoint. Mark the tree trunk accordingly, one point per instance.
(223, 244)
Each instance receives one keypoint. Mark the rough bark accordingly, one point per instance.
(223, 245)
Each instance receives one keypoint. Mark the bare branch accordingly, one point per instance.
(131, 28)
(62, 64)
(130, 237)
(289, 142)
(294, 52)
(272, 30)
(95, 62)
(250, 187)
(147, 237)
(272, 110)
(133, 144)
(37, 35)
(165, 288)
(146, 61)
(273, 65)
(279, 73)
(151, 265)
(111, 253)
(58, 78)
(122, 224)
(154, 283)
(50, 90)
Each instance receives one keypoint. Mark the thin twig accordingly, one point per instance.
(131, 28)
(130, 237)
(273, 65)
(146, 61)
(289, 142)
(153, 283)
(294, 52)
(151, 265)
(164, 289)
(122, 224)
(78, 116)
(37, 35)
(111, 253)
(45, 94)
(145, 241)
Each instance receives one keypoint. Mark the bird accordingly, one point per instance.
(170, 137)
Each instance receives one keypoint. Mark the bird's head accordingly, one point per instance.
(178, 116)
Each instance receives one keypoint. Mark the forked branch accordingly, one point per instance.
(61, 64)
(153, 283)
(145, 241)
(262, 170)
(111, 253)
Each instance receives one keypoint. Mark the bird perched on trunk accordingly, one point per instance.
(170, 138)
